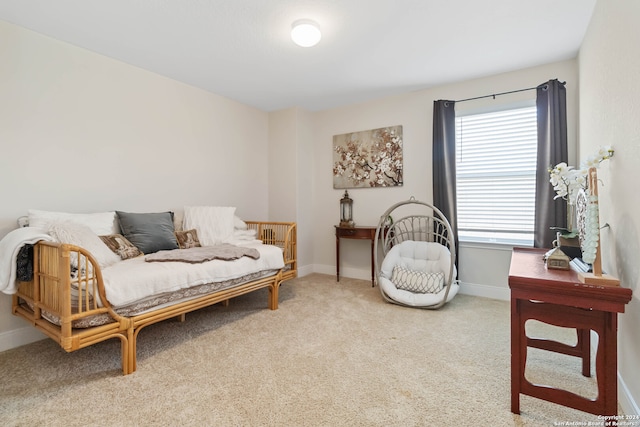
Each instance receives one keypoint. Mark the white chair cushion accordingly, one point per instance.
(415, 299)
(427, 257)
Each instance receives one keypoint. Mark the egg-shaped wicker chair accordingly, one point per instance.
(415, 256)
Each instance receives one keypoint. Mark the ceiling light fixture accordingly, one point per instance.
(305, 33)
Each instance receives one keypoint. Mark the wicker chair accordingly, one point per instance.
(415, 256)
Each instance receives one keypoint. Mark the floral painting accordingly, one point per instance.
(371, 158)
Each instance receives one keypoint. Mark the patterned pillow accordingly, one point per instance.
(188, 239)
(417, 281)
(121, 246)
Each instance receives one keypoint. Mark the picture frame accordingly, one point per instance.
(370, 158)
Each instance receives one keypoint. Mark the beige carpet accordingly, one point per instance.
(333, 354)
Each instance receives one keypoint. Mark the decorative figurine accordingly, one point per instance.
(556, 259)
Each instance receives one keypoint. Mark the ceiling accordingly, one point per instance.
(241, 49)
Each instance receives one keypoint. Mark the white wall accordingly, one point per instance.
(291, 176)
(483, 269)
(283, 130)
(304, 184)
(609, 66)
(80, 132)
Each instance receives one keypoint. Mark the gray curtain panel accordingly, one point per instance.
(551, 102)
(444, 162)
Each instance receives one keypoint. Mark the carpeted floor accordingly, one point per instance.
(333, 354)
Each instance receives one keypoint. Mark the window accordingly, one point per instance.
(496, 176)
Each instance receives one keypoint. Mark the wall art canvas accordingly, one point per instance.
(370, 158)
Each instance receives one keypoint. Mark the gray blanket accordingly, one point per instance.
(224, 252)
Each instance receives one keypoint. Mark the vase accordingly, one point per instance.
(571, 217)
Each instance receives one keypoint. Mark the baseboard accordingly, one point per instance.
(19, 337)
(305, 270)
(352, 273)
(324, 269)
(486, 291)
(625, 400)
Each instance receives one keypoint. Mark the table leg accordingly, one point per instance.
(584, 344)
(337, 258)
(607, 365)
(372, 266)
(517, 370)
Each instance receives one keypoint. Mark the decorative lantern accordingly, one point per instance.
(346, 211)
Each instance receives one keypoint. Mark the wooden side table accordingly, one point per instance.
(558, 298)
(365, 233)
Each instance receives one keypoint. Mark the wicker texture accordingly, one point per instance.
(418, 222)
(56, 281)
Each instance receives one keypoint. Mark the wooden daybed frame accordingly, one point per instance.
(51, 288)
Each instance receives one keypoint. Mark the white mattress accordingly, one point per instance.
(135, 279)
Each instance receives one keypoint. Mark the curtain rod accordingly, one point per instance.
(496, 94)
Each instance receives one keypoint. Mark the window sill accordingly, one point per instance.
(494, 245)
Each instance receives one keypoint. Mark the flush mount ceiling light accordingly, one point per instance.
(305, 33)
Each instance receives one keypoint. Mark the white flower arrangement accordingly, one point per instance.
(567, 180)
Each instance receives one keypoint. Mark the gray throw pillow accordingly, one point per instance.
(149, 232)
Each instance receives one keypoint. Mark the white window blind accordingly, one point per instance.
(496, 167)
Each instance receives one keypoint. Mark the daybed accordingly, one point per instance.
(78, 299)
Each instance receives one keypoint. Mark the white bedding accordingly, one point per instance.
(9, 247)
(135, 279)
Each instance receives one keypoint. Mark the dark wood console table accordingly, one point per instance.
(366, 233)
(558, 298)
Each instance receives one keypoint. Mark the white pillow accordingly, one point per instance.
(102, 223)
(81, 235)
(239, 224)
(214, 224)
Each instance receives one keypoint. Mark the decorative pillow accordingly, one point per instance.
(238, 223)
(81, 235)
(215, 224)
(101, 223)
(149, 232)
(417, 281)
(178, 218)
(188, 239)
(121, 246)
